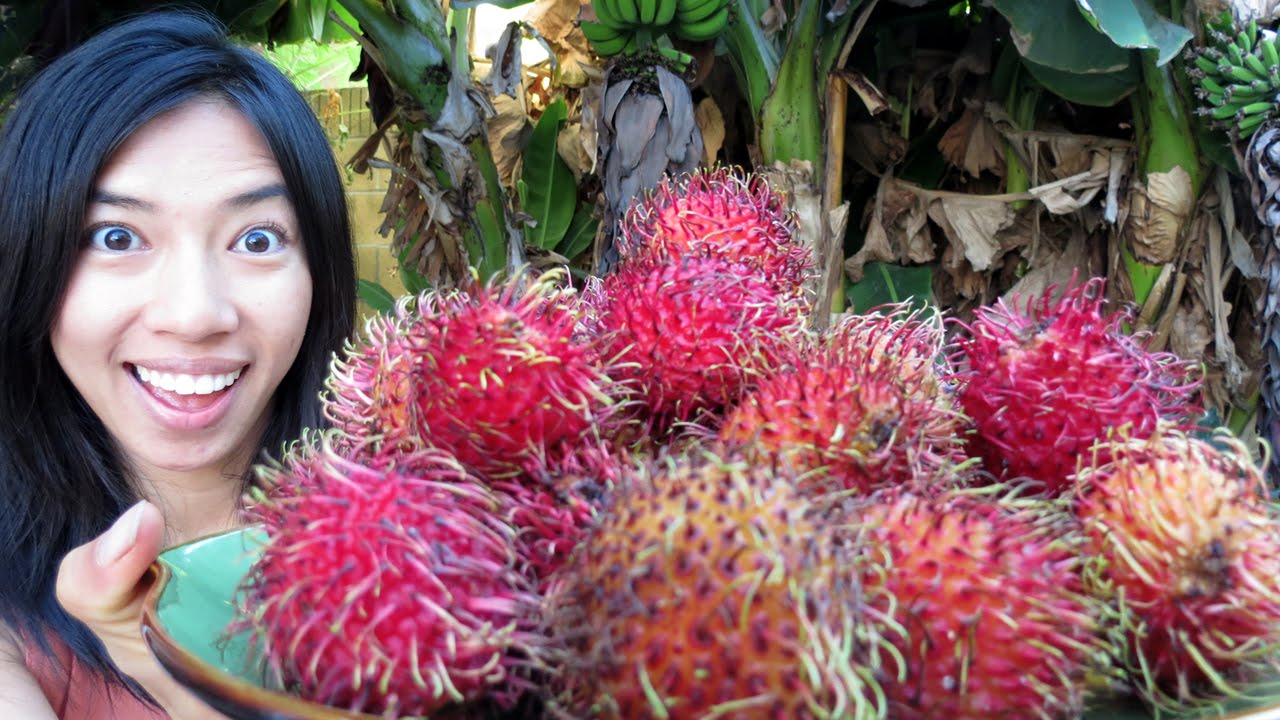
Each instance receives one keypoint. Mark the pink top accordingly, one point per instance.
(79, 693)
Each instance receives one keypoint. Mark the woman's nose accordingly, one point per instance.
(190, 298)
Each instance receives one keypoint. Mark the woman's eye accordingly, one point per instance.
(259, 241)
(114, 238)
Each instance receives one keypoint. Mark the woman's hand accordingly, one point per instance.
(102, 584)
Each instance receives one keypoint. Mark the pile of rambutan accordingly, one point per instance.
(664, 495)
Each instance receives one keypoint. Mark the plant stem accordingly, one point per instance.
(790, 124)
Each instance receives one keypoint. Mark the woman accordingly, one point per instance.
(176, 270)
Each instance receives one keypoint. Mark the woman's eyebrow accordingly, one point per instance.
(235, 202)
(252, 197)
(105, 197)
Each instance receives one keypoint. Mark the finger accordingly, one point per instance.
(98, 582)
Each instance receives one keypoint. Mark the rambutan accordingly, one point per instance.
(1189, 551)
(708, 588)
(690, 336)
(498, 375)
(863, 407)
(721, 212)
(982, 606)
(388, 590)
(1044, 383)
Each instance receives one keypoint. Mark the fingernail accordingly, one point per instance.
(117, 541)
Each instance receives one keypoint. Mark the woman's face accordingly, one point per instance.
(191, 294)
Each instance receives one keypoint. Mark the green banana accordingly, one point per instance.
(1238, 73)
(679, 60)
(1244, 41)
(1215, 98)
(1237, 90)
(1257, 108)
(1206, 65)
(1251, 123)
(706, 29)
(696, 13)
(1235, 54)
(607, 14)
(647, 10)
(1223, 112)
(666, 13)
(1269, 52)
(605, 40)
(1255, 64)
(1211, 85)
(628, 12)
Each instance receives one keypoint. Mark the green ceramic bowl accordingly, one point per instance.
(190, 605)
(184, 618)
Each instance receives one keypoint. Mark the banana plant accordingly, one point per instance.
(1099, 54)
(448, 209)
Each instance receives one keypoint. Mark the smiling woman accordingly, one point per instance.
(175, 272)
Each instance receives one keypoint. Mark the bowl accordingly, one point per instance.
(191, 603)
(184, 618)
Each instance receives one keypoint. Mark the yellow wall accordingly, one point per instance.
(346, 107)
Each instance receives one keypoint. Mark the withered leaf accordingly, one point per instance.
(973, 143)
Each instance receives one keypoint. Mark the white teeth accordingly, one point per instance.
(183, 384)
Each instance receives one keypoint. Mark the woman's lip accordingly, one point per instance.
(203, 366)
(176, 418)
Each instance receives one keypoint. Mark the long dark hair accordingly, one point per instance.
(62, 478)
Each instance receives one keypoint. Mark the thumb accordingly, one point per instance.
(99, 582)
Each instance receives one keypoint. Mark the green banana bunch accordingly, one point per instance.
(633, 15)
(701, 20)
(629, 27)
(1238, 78)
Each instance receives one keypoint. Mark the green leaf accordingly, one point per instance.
(1055, 34)
(581, 234)
(414, 281)
(883, 283)
(1096, 89)
(1135, 24)
(375, 296)
(550, 190)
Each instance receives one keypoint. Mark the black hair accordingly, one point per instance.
(62, 478)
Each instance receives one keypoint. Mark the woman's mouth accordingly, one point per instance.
(190, 393)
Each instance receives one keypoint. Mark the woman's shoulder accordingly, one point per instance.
(71, 689)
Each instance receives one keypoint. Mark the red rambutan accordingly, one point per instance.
(497, 375)
(708, 588)
(388, 590)
(1043, 384)
(720, 212)
(690, 336)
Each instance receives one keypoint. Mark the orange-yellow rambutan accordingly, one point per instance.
(708, 588)
(1187, 550)
(981, 606)
(864, 406)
